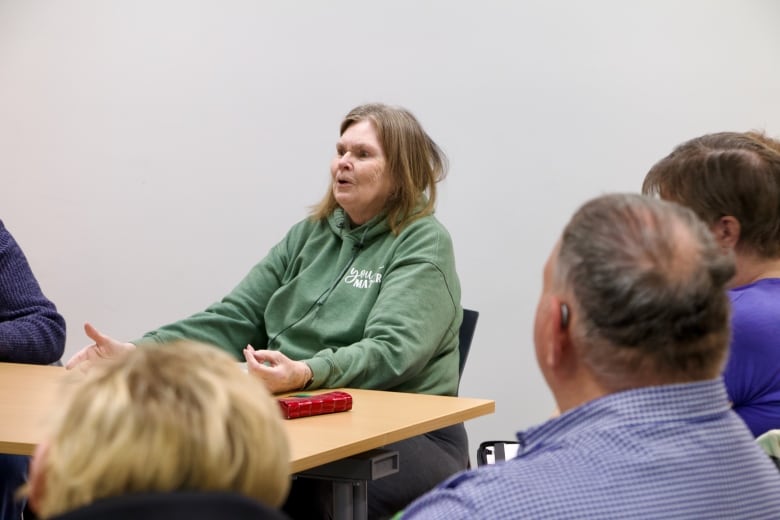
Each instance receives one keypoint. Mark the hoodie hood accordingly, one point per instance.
(364, 234)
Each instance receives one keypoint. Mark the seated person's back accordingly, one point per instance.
(631, 334)
(145, 431)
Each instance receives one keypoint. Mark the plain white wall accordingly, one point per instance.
(151, 151)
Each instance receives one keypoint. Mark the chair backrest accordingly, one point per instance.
(492, 452)
(466, 334)
(770, 442)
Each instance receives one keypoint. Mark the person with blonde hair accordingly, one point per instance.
(363, 294)
(162, 432)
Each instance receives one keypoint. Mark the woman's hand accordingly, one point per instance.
(104, 347)
(277, 371)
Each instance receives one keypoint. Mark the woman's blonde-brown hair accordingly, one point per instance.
(165, 418)
(414, 162)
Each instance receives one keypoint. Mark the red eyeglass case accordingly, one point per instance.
(305, 405)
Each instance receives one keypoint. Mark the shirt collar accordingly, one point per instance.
(640, 405)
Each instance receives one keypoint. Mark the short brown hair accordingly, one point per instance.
(726, 173)
(165, 418)
(649, 290)
(414, 162)
(761, 136)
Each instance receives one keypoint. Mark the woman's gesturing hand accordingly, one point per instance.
(103, 347)
(278, 372)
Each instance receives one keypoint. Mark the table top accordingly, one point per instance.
(28, 394)
(377, 418)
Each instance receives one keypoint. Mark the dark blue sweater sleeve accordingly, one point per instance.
(31, 329)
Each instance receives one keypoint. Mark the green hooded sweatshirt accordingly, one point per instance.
(362, 307)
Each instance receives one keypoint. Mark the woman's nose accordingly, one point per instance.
(345, 161)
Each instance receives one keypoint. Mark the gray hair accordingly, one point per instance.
(648, 282)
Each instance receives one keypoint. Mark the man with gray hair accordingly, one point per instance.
(631, 335)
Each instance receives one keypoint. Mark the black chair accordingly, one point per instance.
(466, 334)
(491, 452)
(770, 443)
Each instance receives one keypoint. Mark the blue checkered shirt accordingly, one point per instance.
(673, 451)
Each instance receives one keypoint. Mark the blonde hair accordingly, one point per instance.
(173, 417)
(414, 162)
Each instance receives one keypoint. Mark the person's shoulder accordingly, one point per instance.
(428, 227)
(306, 227)
(756, 306)
(426, 239)
(4, 230)
(429, 222)
(7, 240)
(305, 233)
(493, 491)
(762, 291)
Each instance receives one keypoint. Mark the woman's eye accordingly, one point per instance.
(363, 154)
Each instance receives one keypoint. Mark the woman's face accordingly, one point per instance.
(361, 184)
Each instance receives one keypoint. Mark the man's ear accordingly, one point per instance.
(564, 316)
(726, 230)
(557, 344)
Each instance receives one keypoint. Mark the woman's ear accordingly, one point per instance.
(726, 231)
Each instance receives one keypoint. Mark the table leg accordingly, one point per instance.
(350, 478)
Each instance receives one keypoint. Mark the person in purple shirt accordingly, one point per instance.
(31, 331)
(732, 182)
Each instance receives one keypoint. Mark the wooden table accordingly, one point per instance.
(377, 418)
(28, 394)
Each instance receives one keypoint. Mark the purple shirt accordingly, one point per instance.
(752, 374)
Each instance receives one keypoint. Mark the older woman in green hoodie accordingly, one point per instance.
(363, 293)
